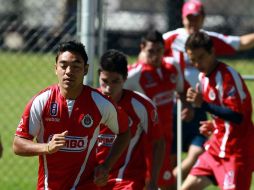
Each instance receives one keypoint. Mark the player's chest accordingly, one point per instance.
(78, 119)
(158, 80)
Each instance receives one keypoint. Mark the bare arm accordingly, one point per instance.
(26, 147)
(158, 156)
(120, 144)
(247, 41)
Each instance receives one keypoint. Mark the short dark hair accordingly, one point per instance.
(152, 36)
(199, 40)
(72, 46)
(114, 61)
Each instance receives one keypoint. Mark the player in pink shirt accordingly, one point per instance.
(228, 159)
(144, 155)
(64, 120)
(159, 78)
(193, 16)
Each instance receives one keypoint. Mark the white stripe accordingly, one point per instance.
(46, 174)
(219, 86)
(107, 110)
(91, 145)
(224, 140)
(36, 112)
(179, 77)
(238, 83)
(132, 144)
(140, 110)
(132, 81)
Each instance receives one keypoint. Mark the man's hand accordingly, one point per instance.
(187, 114)
(101, 175)
(57, 142)
(194, 96)
(206, 128)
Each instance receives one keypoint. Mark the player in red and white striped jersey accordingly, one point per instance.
(65, 120)
(146, 149)
(222, 92)
(159, 78)
(193, 15)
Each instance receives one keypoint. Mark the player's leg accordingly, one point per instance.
(189, 161)
(196, 182)
(166, 179)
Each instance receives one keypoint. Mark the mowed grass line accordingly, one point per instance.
(22, 76)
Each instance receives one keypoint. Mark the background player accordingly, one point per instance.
(228, 158)
(159, 78)
(193, 15)
(131, 169)
(65, 118)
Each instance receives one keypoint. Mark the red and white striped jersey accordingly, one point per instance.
(160, 85)
(225, 87)
(143, 124)
(175, 46)
(49, 113)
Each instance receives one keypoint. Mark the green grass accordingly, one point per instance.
(22, 76)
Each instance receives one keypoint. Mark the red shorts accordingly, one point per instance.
(166, 177)
(232, 173)
(123, 185)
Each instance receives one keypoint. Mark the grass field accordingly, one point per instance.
(23, 75)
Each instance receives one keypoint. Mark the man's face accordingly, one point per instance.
(70, 70)
(193, 23)
(152, 53)
(204, 61)
(111, 84)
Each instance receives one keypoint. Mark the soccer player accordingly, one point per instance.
(193, 15)
(228, 158)
(146, 149)
(65, 120)
(159, 78)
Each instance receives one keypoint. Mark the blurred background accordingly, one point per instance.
(30, 31)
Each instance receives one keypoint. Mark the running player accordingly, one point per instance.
(146, 149)
(228, 158)
(64, 119)
(159, 78)
(193, 15)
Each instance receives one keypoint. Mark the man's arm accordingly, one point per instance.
(196, 98)
(26, 147)
(157, 158)
(246, 41)
(101, 172)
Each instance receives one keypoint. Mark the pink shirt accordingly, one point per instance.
(49, 113)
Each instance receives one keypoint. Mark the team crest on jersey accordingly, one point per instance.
(53, 109)
(87, 121)
(211, 95)
(149, 80)
(173, 78)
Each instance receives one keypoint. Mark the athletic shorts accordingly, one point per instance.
(190, 131)
(123, 185)
(231, 174)
(166, 177)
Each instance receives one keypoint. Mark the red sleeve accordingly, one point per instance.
(23, 127)
(222, 48)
